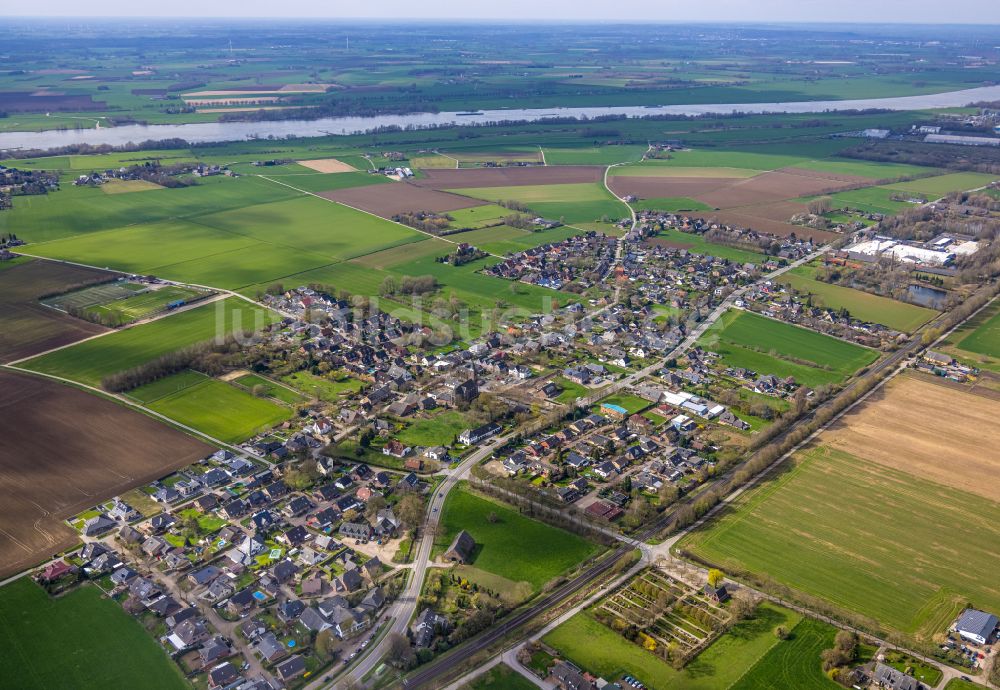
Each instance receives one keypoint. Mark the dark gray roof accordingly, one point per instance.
(976, 622)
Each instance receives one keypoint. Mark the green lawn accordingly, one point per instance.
(325, 388)
(794, 662)
(924, 672)
(900, 550)
(986, 338)
(88, 362)
(959, 684)
(270, 388)
(220, 410)
(600, 650)
(773, 347)
(899, 316)
(977, 341)
(438, 430)
(515, 547)
(500, 677)
(632, 403)
(699, 245)
(79, 641)
(571, 391)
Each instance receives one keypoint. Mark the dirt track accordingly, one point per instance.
(387, 200)
(444, 178)
(63, 451)
(26, 325)
(933, 431)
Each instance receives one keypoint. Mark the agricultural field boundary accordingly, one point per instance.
(361, 210)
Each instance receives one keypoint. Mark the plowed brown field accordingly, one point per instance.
(63, 451)
(930, 430)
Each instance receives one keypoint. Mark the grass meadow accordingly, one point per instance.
(794, 662)
(217, 408)
(80, 640)
(514, 546)
(773, 347)
(900, 550)
(698, 245)
(977, 341)
(899, 316)
(89, 362)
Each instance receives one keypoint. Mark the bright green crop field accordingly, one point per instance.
(88, 362)
(895, 548)
(897, 315)
(80, 640)
(593, 155)
(515, 547)
(218, 409)
(773, 347)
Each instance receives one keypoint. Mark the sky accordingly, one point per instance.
(848, 11)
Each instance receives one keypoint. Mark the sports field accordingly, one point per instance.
(478, 216)
(773, 347)
(216, 408)
(870, 539)
(80, 640)
(899, 316)
(515, 547)
(90, 361)
(597, 648)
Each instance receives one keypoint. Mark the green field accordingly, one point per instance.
(593, 155)
(773, 347)
(500, 677)
(514, 547)
(214, 407)
(903, 551)
(76, 210)
(574, 203)
(986, 338)
(940, 185)
(438, 430)
(477, 217)
(79, 641)
(600, 650)
(322, 387)
(698, 245)
(88, 362)
(632, 403)
(899, 316)
(161, 388)
(869, 200)
(270, 388)
(795, 662)
(870, 169)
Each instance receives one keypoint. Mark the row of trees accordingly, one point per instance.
(212, 358)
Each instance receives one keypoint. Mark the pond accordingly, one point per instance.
(926, 296)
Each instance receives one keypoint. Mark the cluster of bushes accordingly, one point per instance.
(425, 221)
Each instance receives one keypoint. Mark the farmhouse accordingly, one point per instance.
(479, 434)
(461, 549)
(976, 626)
(889, 678)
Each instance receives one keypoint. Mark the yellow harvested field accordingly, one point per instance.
(928, 429)
(126, 186)
(327, 165)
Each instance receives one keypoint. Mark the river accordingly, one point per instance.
(238, 131)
